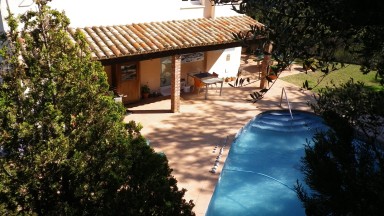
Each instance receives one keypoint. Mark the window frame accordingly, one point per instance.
(192, 2)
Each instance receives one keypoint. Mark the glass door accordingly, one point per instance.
(166, 71)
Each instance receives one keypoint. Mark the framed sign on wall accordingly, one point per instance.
(128, 72)
(192, 57)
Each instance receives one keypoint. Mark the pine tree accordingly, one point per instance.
(66, 149)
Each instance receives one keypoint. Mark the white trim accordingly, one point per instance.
(183, 7)
(191, 4)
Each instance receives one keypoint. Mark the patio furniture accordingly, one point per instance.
(207, 79)
(197, 84)
(215, 75)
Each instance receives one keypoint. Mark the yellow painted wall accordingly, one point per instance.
(223, 62)
(192, 67)
(150, 74)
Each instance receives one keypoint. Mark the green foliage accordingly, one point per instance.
(349, 56)
(306, 86)
(275, 69)
(320, 29)
(309, 64)
(343, 168)
(145, 89)
(67, 149)
(133, 128)
(293, 30)
(253, 39)
(373, 50)
(318, 80)
(359, 106)
(239, 82)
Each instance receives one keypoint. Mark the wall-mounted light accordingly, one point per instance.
(228, 57)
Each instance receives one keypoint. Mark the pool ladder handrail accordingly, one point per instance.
(286, 97)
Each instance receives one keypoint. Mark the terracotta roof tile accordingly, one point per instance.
(129, 40)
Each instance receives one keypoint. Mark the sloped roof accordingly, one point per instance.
(108, 42)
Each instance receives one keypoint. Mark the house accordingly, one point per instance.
(157, 45)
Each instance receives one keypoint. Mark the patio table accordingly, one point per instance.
(207, 79)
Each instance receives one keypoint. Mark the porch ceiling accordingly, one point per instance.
(122, 41)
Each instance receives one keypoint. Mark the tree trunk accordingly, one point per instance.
(265, 62)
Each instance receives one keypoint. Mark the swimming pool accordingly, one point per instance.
(263, 165)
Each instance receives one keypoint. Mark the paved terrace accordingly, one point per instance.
(189, 138)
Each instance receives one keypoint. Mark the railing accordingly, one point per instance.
(281, 100)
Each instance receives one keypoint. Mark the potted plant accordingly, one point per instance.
(145, 90)
(271, 77)
(272, 74)
(275, 69)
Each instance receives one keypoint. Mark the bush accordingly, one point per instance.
(343, 168)
(67, 149)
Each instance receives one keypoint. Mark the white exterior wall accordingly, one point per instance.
(84, 13)
(219, 64)
(225, 10)
(121, 12)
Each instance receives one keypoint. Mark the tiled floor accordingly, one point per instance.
(189, 138)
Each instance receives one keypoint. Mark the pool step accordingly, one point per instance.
(282, 121)
(285, 123)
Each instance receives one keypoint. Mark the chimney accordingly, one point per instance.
(209, 9)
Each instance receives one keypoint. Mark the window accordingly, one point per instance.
(166, 71)
(193, 2)
(128, 72)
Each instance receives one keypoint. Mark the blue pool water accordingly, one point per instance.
(263, 165)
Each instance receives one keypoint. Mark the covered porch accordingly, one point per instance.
(138, 54)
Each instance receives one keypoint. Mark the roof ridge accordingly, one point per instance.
(154, 22)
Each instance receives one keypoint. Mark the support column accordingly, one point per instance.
(175, 83)
(265, 63)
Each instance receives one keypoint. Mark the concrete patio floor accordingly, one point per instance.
(189, 138)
